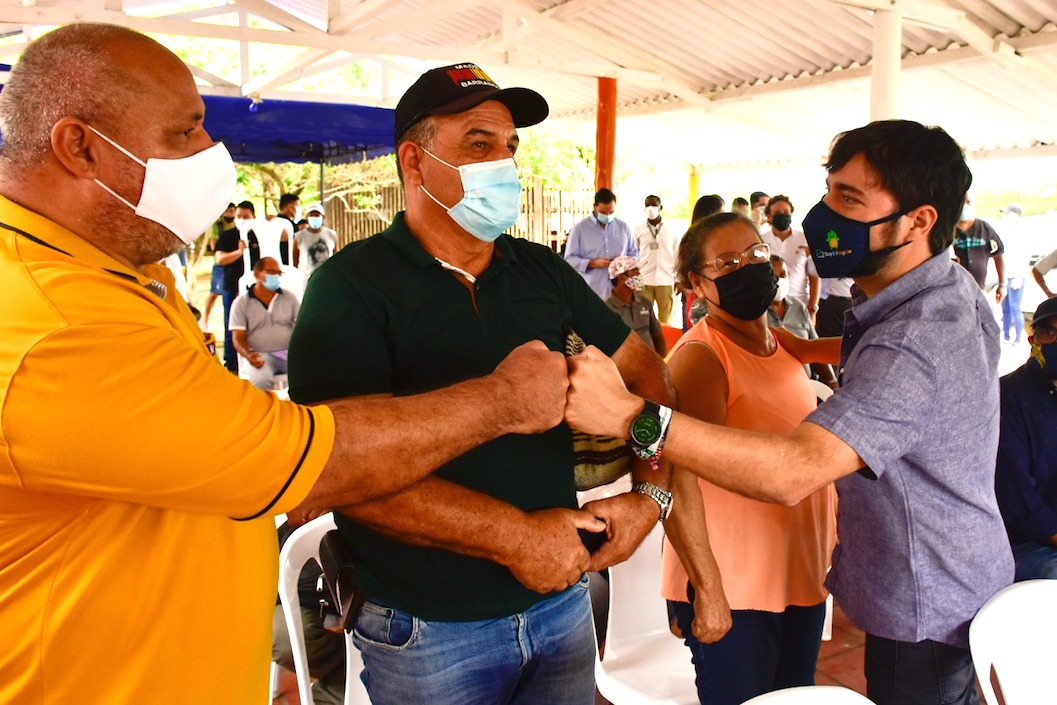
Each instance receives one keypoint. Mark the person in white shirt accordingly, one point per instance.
(315, 244)
(657, 241)
(1043, 267)
(791, 244)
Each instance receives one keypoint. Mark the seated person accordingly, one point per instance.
(1026, 472)
(635, 309)
(262, 320)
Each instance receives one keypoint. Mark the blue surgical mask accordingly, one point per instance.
(840, 246)
(968, 212)
(491, 197)
(315, 222)
(605, 218)
(271, 282)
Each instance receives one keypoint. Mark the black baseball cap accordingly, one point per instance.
(453, 89)
(1046, 310)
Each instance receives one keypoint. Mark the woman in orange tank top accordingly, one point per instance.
(743, 577)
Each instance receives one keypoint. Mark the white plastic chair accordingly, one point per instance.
(644, 663)
(1016, 632)
(302, 546)
(810, 695)
(822, 391)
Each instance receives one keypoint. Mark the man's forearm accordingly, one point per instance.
(238, 339)
(814, 288)
(226, 258)
(442, 514)
(383, 444)
(1041, 281)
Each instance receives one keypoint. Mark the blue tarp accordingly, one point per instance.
(297, 131)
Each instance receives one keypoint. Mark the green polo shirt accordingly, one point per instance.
(382, 316)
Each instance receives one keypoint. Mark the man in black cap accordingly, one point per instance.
(474, 578)
(1026, 475)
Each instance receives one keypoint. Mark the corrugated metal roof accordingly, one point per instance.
(718, 82)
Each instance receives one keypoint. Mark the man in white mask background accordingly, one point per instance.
(657, 241)
(121, 543)
(466, 561)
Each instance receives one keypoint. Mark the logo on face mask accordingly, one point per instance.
(840, 246)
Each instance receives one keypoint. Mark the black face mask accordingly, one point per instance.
(781, 221)
(229, 220)
(747, 292)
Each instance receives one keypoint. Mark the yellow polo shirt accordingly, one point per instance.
(138, 479)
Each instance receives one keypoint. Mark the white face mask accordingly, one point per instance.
(783, 289)
(184, 195)
(653, 212)
(244, 225)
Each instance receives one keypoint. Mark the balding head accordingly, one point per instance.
(76, 71)
(85, 108)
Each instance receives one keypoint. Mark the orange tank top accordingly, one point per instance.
(769, 556)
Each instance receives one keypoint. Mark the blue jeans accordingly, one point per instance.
(763, 651)
(542, 656)
(263, 377)
(1035, 560)
(1012, 316)
(231, 359)
(922, 673)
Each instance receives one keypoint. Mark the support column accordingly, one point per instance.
(693, 188)
(605, 133)
(884, 76)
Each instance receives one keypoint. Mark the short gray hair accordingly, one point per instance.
(66, 72)
(421, 133)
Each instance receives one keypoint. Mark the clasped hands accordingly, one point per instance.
(588, 392)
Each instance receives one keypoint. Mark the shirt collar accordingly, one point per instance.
(868, 311)
(401, 237)
(50, 234)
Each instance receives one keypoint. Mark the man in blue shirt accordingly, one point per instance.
(1026, 476)
(596, 240)
(909, 437)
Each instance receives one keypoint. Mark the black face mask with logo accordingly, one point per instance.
(746, 293)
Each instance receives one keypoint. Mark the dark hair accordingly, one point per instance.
(230, 205)
(739, 201)
(248, 205)
(691, 256)
(706, 206)
(756, 196)
(777, 199)
(604, 195)
(919, 165)
(258, 266)
(288, 198)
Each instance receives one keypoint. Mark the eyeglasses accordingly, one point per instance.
(1045, 336)
(729, 261)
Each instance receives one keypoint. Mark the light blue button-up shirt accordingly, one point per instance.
(588, 240)
(922, 546)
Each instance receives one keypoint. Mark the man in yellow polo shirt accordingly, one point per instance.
(138, 478)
